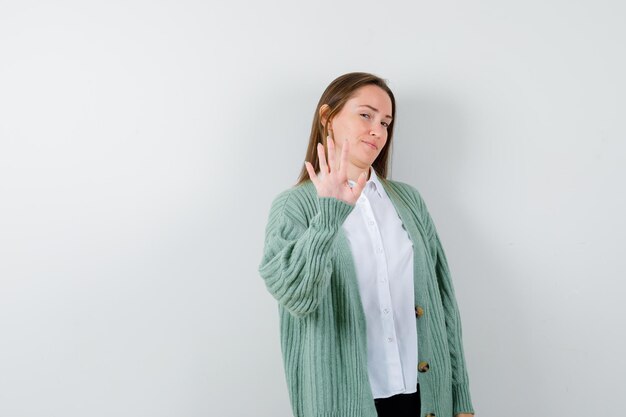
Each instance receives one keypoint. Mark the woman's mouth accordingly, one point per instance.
(371, 145)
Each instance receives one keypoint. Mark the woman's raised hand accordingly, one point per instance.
(333, 178)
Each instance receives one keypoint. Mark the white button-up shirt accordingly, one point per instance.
(383, 258)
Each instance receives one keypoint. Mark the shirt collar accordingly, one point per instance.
(374, 180)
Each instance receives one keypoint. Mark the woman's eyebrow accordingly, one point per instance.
(373, 108)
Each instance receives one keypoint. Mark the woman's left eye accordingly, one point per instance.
(385, 124)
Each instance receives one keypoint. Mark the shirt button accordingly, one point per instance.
(371, 223)
(390, 339)
(380, 250)
(386, 311)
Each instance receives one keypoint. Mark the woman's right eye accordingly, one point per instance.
(365, 115)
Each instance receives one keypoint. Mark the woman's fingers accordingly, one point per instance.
(332, 178)
(332, 161)
(343, 167)
(360, 184)
(312, 174)
(322, 159)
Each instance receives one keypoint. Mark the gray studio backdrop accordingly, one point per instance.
(141, 144)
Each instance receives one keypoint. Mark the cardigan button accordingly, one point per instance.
(422, 366)
(419, 311)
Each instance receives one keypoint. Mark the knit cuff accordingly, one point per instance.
(461, 399)
(333, 211)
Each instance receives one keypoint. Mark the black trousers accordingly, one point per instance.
(401, 405)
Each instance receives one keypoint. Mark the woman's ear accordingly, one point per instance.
(324, 110)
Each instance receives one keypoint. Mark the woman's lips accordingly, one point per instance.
(371, 145)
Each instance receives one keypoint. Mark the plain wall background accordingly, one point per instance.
(141, 144)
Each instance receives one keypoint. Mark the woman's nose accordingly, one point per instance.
(376, 130)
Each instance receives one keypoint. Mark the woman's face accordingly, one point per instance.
(363, 121)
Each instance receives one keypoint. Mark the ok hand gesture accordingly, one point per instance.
(333, 178)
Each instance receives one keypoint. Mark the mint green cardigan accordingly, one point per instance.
(308, 268)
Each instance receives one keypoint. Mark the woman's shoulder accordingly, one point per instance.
(298, 201)
(400, 184)
(406, 191)
(296, 193)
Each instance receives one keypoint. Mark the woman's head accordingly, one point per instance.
(358, 107)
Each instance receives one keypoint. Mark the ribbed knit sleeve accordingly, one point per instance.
(461, 400)
(296, 264)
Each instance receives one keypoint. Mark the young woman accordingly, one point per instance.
(369, 323)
